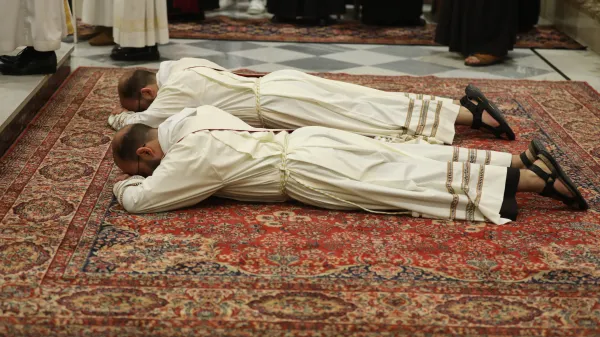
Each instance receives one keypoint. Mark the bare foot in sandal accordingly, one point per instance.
(478, 112)
(465, 117)
(558, 184)
(481, 60)
(547, 178)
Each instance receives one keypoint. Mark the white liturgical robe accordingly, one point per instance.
(98, 12)
(289, 99)
(140, 23)
(37, 23)
(319, 166)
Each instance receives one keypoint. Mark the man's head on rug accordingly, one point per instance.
(137, 90)
(136, 150)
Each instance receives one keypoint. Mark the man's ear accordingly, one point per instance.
(148, 93)
(145, 152)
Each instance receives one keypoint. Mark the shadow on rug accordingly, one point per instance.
(73, 263)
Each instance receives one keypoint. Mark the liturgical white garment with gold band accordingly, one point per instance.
(319, 166)
(140, 23)
(290, 99)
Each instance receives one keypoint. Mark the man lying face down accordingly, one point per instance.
(291, 99)
(205, 151)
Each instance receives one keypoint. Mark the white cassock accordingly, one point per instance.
(318, 166)
(289, 99)
(41, 24)
(98, 12)
(140, 23)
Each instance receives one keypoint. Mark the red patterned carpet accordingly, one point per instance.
(226, 28)
(73, 263)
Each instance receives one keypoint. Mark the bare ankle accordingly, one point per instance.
(516, 162)
(530, 182)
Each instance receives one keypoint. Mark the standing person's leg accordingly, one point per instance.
(257, 7)
(11, 26)
(483, 31)
(139, 26)
(40, 25)
(100, 13)
(227, 4)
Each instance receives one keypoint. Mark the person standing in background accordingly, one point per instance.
(99, 13)
(312, 11)
(529, 14)
(399, 13)
(190, 10)
(40, 25)
(255, 7)
(139, 27)
(482, 30)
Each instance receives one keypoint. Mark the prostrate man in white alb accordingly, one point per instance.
(291, 99)
(205, 151)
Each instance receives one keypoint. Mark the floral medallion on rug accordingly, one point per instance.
(226, 28)
(74, 263)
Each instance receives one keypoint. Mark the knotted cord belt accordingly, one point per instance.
(256, 89)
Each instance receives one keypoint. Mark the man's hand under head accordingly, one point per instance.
(122, 176)
(117, 110)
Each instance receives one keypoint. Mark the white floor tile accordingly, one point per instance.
(17, 91)
(83, 49)
(576, 64)
(533, 61)
(366, 70)
(364, 57)
(269, 67)
(270, 55)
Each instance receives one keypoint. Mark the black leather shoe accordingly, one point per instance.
(39, 63)
(135, 54)
(24, 54)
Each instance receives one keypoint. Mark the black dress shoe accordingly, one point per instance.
(24, 54)
(135, 54)
(39, 63)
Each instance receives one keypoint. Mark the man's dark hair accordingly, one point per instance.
(133, 139)
(131, 86)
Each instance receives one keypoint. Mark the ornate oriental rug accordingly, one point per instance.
(73, 263)
(226, 28)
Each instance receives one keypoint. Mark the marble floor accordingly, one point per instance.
(538, 64)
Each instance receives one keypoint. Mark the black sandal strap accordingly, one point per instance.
(477, 112)
(484, 104)
(541, 173)
(466, 102)
(550, 191)
(525, 159)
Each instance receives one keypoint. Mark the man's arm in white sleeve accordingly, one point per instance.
(184, 178)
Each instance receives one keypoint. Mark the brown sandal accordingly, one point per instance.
(484, 60)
